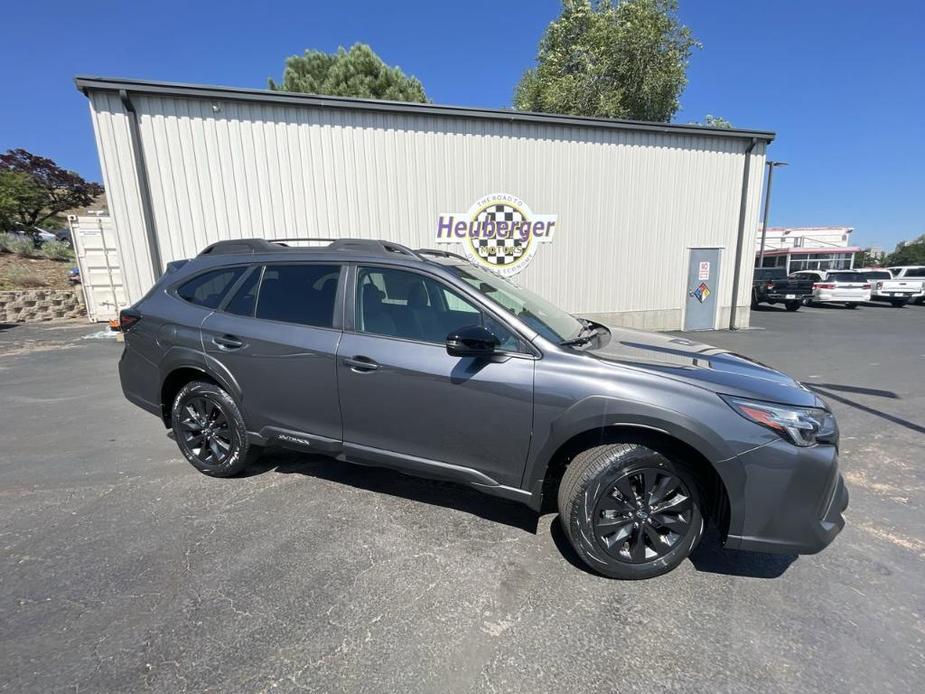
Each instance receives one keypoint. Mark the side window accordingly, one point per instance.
(916, 272)
(397, 303)
(209, 289)
(302, 294)
(244, 300)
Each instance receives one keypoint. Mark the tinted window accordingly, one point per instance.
(301, 294)
(209, 288)
(408, 305)
(916, 272)
(242, 303)
(884, 275)
(845, 277)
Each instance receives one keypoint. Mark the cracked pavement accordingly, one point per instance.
(123, 569)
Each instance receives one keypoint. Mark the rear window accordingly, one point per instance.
(845, 277)
(879, 275)
(208, 289)
(302, 294)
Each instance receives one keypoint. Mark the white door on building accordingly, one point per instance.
(94, 240)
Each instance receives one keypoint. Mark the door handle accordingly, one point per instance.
(361, 364)
(227, 342)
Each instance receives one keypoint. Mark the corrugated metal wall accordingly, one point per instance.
(630, 203)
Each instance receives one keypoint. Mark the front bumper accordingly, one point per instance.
(791, 502)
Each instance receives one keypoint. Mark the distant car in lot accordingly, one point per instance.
(837, 287)
(771, 285)
(913, 272)
(883, 287)
(43, 235)
(376, 354)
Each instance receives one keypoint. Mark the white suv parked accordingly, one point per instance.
(837, 287)
(911, 272)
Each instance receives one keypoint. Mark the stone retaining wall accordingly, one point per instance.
(28, 305)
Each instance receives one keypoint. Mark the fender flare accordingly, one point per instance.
(600, 412)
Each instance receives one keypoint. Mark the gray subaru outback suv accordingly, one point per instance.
(375, 354)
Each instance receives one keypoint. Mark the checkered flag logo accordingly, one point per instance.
(497, 251)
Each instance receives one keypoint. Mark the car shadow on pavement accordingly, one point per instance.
(709, 557)
(385, 481)
(825, 390)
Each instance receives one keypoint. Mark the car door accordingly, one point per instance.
(276, 336)
(403, 398)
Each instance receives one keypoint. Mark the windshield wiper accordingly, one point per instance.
(587, 334)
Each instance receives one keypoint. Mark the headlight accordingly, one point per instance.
(801, 426)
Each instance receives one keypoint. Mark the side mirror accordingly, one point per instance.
(471, 341)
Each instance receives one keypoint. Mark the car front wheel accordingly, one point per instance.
(629, 511)
(209, 430)
(793, 305)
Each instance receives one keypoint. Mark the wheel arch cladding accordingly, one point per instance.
(174, 381)
(712, 487)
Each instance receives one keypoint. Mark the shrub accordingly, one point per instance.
(56, 250)
(6, 241)
(20, 245)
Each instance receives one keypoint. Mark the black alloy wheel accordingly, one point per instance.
(630, 511)
(642, 515)
(204, 428)
(210, 430)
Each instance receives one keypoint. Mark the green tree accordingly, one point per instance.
(715, 121)
(358, 72)
(908, 253)
(34, 189)
(624, 60)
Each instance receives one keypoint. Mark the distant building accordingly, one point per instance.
(807, 248)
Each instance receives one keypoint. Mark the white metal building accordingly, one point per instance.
(653, 222)
(807, 248)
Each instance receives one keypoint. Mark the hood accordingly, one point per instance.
(701, 365)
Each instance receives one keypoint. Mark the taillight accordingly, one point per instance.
(823, 285)
(879, 285)
(770, 285)
(127, 319)
(867, 286)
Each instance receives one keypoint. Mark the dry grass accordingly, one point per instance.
(17, 272)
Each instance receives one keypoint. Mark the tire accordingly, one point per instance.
(899, 303)
(851, 305)
(224, 450)
(644, 538)
(793, 305)
(755, 301)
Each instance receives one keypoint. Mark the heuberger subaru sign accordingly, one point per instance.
(499, 232)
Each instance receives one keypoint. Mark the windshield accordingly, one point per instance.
(547, 319)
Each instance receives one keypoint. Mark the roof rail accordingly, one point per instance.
(440, 253)
(252, 246)
(373, 246)
(241, 247)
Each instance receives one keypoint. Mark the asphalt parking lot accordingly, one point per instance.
(123, 569)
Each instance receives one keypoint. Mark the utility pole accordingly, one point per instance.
(767, 206)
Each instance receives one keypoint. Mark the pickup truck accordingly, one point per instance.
(883, 287)
(914, 273)
(772, 286)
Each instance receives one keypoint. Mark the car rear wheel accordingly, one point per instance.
(899, 303)
(793, 305)
(209, 430)
(851, 305)
(629, 511)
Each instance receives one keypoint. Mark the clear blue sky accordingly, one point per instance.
(842, 82)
